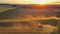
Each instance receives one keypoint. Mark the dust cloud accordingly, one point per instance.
(34, 26)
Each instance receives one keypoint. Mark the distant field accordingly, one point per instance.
(3, 9)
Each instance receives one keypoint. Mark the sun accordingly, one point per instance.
(41, 1)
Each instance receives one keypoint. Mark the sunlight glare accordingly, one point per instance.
(41, 2)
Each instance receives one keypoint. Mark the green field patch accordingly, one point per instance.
(3, 9)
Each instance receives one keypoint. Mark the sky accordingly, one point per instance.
(30, 1)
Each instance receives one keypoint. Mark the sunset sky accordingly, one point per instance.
(31, 1)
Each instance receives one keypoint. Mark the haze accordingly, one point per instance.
(29, 1)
